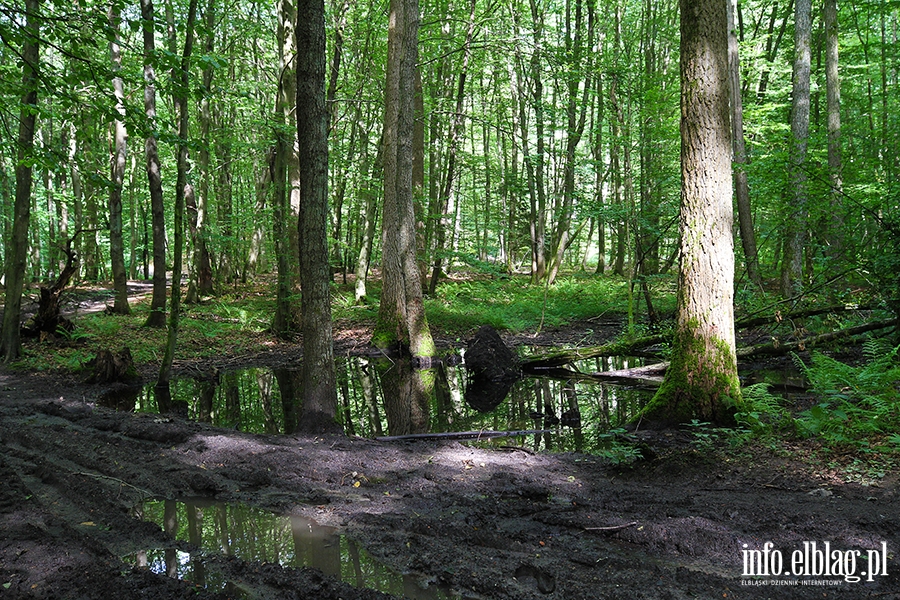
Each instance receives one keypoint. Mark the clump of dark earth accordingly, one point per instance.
(499, 522)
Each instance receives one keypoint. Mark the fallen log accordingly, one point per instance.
(778, 317)
(616, 348)
(651, 375)
(543, 364)
(778, 348)
(459, 435)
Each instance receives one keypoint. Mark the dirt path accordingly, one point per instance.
(498, 523)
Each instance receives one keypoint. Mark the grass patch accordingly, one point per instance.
(231, 324)
(515, 305)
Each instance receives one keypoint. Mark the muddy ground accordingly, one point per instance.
(498, 523)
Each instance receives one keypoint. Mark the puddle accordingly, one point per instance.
(255, 535)
(381, 398)
(564, 410)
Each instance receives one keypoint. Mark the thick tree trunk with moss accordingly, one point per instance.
(401, 317)
(701, 382)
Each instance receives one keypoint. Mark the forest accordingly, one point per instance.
(243, 238)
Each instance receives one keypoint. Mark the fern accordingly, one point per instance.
(763, 411)
(858, 403)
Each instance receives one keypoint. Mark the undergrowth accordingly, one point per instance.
(514, 304)
(859, 406)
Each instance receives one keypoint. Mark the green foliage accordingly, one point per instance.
(859, 404)
(618, 447)
(515, 305)
(763, 411)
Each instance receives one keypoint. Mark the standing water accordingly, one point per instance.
(378, 398)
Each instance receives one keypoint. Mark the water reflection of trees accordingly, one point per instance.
(406, 393)
(255, 535)
(380, 397)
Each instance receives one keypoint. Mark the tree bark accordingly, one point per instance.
(835, 237)
(157, 317)
(117, 171)
(285, 166)
(401, 322)
(182, 188)
(200, 280)
(319, 407)
(741, 184)
(538, 221)
(701, 382)
(17, 244)
(576, 118)
(368, 228)
(795, 235)
(457, 129)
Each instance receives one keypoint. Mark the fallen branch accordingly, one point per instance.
(459, 435)
(564, 357)
(777, 348)
(543, 364)
(648, 374)
(613, 528)
(799, 314)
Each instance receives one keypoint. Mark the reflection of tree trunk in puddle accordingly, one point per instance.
(571, 417)
(165, 404)
(264, 383)
(205, 396)
(443, 400)
(221, 517)
(289, 386)
(232, 416)
(406, 392)
(359, 580)
(342, 377)
(195, 536)
(316, 545)
(367, 380)
(170, 526)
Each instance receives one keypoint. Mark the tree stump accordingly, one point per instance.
(112, 367)
(48, 319)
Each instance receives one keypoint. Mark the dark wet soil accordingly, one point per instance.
(498, 523)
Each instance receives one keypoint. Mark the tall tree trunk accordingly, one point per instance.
(285, 168)
(401, 315)
(368, 226)
(795, 234)
(319, 408)
(701, 381)
(120, 139)
(157, 317)
(200, 280)
(833, 100)
(772, 46)
(600, 175)
(228, 264)
(17, 243)
(576, 119)
(457, 129)
(741, 185)
(182, 188)
(538, 222)
(334, 70)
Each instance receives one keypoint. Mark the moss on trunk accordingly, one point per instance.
(701, 383)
